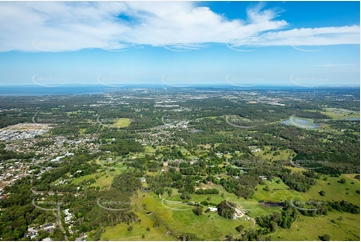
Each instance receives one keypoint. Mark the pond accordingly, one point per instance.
(351, 119)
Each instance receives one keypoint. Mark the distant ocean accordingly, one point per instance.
(60, 90)
(34, 90)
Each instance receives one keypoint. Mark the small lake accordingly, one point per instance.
(301, 123)
(351, 119)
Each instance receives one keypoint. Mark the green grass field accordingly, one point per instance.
(78, 180)
(105, 178)
(149, 149)
(121, 123)
(335, 191)
(340, 113)
(309, 228)
(284, 154)
(180, 218)
(214, 227)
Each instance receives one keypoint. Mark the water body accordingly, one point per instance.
(351, 119)
(32, 90)
(301, 123)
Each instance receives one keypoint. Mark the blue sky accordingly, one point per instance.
(180, 43)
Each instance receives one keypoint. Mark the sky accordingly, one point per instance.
(180, 44)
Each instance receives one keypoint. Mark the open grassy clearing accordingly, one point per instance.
(295, 169)
(266, 154)
(78, 180)
(105, 178)
(180, 218)
(149, 149)
(120, 231)
(213, 226)
(335, 191)
(340, 113)
(121, 123)
(309, 228)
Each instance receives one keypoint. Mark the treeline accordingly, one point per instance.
(344, 206)
(207, 191)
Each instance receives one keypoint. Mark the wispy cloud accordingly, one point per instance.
(71, 26)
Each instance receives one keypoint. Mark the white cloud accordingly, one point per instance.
(70, 26)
